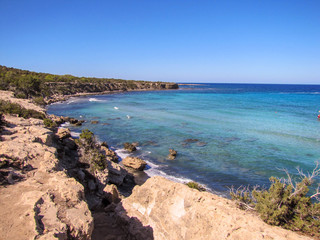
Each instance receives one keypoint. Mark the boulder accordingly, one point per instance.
(63, 133)
(116, 173)
(129, 147)
(111, 193)
(172, 154)
(111, 155)
(134, 162)
(69, 143)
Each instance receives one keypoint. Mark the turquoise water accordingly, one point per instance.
(245, 133)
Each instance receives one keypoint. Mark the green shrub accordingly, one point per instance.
(286, 203)
(19, 94)
(87, 136)
(49, 123)
(196, 185)
(98, 161)
(39, 101)
(14, 108)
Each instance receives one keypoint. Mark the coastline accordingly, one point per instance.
(179, 206)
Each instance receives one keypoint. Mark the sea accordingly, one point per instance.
(225, 134)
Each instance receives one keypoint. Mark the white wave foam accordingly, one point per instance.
(154, 170)
(122, 153)
(75, 134)
(116, 108)
(95, 100)
(65, 125)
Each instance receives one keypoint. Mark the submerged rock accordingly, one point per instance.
(135, 163)
(201, 144)
(190, 140)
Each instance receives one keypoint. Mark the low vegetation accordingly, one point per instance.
(91, 151)
(49, 123)
(7, 107)
(196, 185)
(27, 84)
(287, 203)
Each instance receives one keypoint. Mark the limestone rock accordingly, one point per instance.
(69, 142)
(47, 203)
(111, 193)
(63, 133)
(111, 155)
(174, 211)
(134, 162)
(116, 173)
(172, 154)
(129, 147)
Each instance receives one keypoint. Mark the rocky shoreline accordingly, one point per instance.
(64, 91)
(56, 187)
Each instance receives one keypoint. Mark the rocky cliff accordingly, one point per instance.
(38, 199)
(62, 90)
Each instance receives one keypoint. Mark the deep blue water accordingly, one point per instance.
(246, 132)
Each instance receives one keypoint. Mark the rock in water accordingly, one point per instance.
(134, 162)
(129, 147)
(172, 154)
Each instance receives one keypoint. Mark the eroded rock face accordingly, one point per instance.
(175, 211)
(44, 203)
(134, 162)
(63, 133)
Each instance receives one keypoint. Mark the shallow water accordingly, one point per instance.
(244, 133)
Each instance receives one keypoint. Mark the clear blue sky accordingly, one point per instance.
(271, 41)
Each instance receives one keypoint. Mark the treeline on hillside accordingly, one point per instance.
(27, 84)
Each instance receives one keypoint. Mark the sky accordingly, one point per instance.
(270, 41)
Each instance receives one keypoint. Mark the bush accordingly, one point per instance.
(286, 203)
(87, 136)
(13, 108)
(49, 123)
(196, 185)
(19, 94)
(98, 161)
(39, 101)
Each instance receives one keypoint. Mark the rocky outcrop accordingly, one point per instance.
(130, 147)
(63, 133)
(112, 194)
(172, 154)
(60, 91)
(134, 162)
(43, 202)
(174, 211)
